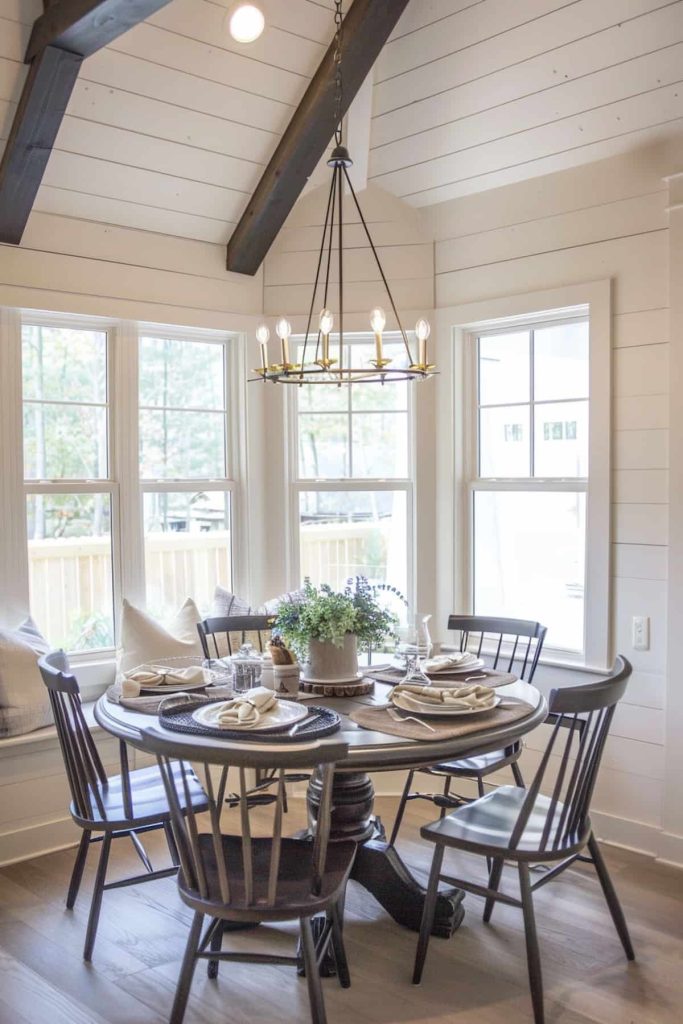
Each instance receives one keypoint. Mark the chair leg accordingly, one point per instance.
(611, 897)
(532, 951)
(215, 946)
(338, 947)
(481, 789)
(494, 882)
(446, 792)
(428, 914)
(77, 873)
(517, 773)
(96, 903)
(401, 807)
(315, 991)
(141, 852)
(171, 843)
(182, 991)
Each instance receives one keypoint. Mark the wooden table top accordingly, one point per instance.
(368, 750)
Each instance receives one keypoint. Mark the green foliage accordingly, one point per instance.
(328, 615)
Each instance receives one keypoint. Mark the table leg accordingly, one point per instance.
(378, 866)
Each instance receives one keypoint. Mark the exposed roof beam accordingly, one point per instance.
(367, 27)
(85, 26)
(68, 31)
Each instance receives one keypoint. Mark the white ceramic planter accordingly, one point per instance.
(330, 665)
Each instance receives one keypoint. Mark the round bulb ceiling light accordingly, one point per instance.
(246, 23)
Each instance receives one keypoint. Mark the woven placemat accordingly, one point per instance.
(321, 722)
(379, 720)
(485, 676)
(149, 704)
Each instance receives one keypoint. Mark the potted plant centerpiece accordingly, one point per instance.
(327, 628)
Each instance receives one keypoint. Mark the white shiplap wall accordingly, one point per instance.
(471, 96)
(608, 220)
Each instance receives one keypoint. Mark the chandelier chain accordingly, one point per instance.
(338, 88)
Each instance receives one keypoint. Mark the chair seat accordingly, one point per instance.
(150, 805)
(485, 826)
(294, 898)
(482, 764)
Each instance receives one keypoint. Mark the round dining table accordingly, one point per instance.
(378, 866)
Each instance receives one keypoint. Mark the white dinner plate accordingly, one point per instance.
(284, 714)
(464, 669)
(164, 688)
(440, 711)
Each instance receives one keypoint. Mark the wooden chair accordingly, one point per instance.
(508, 645)
(247, 879)
(107, 808)
(524, 826)
(223, 636)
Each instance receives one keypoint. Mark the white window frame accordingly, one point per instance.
(298, 484)
(123, 482)
(457, 447)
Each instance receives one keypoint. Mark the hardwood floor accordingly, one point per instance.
(478, 977)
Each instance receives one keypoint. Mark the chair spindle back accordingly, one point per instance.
(585, 712)
(84, 768)
(203, 855)
(509, 645)
(223, 636)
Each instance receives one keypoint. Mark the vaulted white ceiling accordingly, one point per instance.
(169, 128)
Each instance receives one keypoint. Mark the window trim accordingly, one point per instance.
(456, 438)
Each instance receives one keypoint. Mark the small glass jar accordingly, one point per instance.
(246, 668)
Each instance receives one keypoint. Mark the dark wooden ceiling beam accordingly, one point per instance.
(68, 31)
(85, 26)
(367, 27)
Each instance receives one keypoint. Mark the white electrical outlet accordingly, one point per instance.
(640, 633)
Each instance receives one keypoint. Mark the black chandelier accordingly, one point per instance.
(320, 361)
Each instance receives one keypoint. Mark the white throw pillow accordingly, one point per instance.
(145, 640)
(225, 604)
(24, 701)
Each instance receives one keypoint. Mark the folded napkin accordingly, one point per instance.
(450, 697)
(247, 709)
(442, 662)
(157, 675)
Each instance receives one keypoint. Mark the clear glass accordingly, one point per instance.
(530, 548)
(504, 449)
(188, 548)
(182, 445)
(504, 368)
(65, 442)
(380, 445)
(323, 445)
(70, 569)
(561, 439)
(64, 364)
(352, 533)
(181, 374)
(561, 362)
(414, 647)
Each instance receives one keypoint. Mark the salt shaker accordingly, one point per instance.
(267, 679)
(246, 668)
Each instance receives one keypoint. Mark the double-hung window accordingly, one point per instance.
(184, 469)
(352, 490)
(70, 493)
(528, 475)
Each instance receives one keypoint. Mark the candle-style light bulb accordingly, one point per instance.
(262, 336)
(422, 332)
(283, 329)
(326, 323)
(378, 320)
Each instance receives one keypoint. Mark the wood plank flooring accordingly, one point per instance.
(478, 977)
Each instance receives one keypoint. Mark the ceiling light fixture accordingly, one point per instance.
(319, 361)
(246, 22)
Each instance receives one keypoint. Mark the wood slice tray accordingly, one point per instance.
(338, 689)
